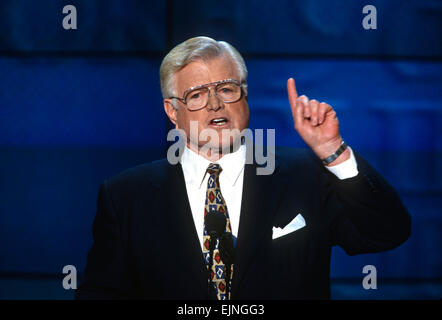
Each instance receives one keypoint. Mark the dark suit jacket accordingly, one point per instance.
(146, 245)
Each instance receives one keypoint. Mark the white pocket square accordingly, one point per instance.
(297, 223)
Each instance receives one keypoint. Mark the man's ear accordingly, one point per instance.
(170, 111)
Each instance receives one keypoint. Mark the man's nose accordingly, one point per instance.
(214, 103)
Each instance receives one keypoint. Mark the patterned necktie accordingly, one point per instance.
(215, 202)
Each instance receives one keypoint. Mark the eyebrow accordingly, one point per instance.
(210, 83)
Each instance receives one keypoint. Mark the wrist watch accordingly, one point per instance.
(335, 155)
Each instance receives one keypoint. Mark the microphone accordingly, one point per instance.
(215, 223)
(227, 252)
(226, 248)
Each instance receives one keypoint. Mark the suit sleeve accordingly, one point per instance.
(366, 214)
(105, 276)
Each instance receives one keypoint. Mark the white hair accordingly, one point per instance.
(198, 48)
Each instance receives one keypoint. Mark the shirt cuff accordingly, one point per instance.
(346, 169)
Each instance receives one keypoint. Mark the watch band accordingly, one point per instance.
(335, 155)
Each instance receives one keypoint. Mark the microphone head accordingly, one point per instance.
(227, 248)
(215, 223)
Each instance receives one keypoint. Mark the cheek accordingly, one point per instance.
(184, 118)
(241, 115)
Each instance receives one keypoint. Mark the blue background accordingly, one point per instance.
(78, 106)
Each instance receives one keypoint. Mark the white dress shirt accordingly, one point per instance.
(231, 182)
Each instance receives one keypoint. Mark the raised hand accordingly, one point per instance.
(317, 124)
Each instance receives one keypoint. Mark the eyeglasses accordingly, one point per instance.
(228, 91)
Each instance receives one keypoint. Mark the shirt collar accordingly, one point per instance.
(195, 166)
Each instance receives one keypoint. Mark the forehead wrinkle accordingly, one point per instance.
(201, 72)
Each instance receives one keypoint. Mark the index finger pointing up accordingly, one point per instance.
(297, 112)
(291, 89)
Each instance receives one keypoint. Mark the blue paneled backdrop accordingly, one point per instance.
(79, 106)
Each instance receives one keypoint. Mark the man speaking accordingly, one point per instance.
(209, 226)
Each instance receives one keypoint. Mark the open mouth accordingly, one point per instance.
(221, 121)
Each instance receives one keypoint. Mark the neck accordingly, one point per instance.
(212, 154)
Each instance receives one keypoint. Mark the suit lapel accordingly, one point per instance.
(183, 229)
(261, 195)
